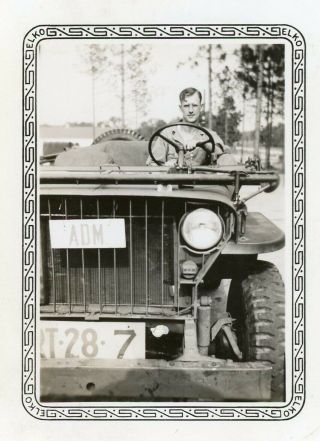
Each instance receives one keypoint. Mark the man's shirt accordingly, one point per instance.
(166, 154)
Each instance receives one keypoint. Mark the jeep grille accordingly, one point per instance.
(135, 279)
(140, 279)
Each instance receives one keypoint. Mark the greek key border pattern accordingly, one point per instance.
(127, 412)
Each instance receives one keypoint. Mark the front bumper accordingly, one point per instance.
(154, 380)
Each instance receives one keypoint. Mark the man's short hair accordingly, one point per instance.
(188, 92)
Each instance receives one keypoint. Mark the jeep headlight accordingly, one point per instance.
(202, 229)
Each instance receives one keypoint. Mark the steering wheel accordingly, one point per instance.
(178, 147)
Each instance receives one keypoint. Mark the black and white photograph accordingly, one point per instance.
(161, 191)
(163, 219)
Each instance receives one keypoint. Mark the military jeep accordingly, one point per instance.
(134, 259)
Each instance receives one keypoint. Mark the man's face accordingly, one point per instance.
(191, 108)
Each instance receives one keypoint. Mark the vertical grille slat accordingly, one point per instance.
(83, 282)
(130, 251)
(52, 266)
(67, 259)
(115, 281)
(162, 251)
(99, 263)
(146, 252)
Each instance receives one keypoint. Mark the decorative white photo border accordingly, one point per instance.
(243, 411)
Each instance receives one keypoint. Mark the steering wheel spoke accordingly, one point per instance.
(178, 147)
(171, 142)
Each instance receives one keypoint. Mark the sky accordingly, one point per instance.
(65, 88)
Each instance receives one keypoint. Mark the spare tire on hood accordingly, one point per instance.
(119, 134)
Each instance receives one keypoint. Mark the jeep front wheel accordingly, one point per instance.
(256, 302)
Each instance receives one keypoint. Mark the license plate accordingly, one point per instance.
(87, 340)
(87, 233)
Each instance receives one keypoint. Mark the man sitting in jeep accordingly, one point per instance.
(188, 137)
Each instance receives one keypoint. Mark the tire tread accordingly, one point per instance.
(262, 297)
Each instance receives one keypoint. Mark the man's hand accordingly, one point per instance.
(189, 146)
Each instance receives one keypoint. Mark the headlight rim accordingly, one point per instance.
(189, 247)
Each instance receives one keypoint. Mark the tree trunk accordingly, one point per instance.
(259, 102)
(269, 107)
(122, 89)
(210, 86)
(226, 126)
(93, 106)
(271, 118)
(243, 124)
